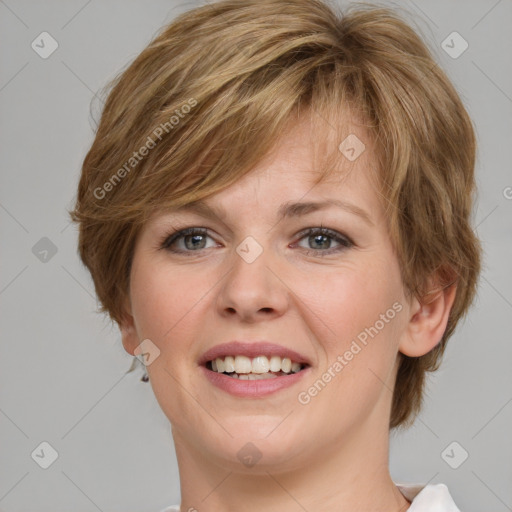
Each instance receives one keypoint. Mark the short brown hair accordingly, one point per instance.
(223, 80)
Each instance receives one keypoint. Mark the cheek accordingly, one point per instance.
(351, 300)
(161, 297)
(360, 329)
(359, 346)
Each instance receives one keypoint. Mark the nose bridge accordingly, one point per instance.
(251, 286)
(250, 250)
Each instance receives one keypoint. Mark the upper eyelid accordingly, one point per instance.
(177, 231)
(180, 233)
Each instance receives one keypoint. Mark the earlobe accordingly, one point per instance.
(428, 322)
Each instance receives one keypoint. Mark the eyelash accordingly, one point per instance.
(344, 241)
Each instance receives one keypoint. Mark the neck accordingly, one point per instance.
(352, 475)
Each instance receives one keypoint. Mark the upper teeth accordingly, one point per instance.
(260, 364)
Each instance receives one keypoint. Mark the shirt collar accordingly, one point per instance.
(425, 498)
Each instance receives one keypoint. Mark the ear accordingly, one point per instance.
(129, 334)
(428, 320)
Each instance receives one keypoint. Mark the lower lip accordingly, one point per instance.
(253, 388)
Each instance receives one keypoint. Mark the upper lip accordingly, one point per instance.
(252, 349)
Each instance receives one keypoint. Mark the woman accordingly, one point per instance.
(276, 212)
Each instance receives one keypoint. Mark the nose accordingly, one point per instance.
(253, 290)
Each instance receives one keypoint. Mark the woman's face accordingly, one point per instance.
(336, 299)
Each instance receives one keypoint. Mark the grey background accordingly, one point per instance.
(62, 366)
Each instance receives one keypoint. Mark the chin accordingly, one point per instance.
(257, 457)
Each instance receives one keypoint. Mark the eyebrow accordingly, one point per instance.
(286, 210)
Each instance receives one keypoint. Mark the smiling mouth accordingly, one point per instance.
(257, 368)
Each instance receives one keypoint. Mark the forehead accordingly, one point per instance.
(310, 162)
(322, 152)
(325, 145)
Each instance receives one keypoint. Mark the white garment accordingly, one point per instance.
(423, 498)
